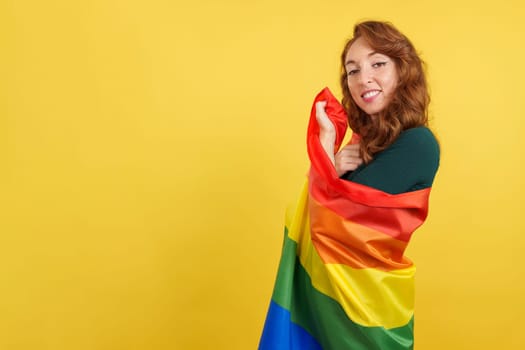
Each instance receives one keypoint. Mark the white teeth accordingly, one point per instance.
(371, 94)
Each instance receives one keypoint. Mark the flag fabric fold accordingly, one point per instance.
(344, 281)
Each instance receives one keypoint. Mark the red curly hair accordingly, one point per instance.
(409, 106)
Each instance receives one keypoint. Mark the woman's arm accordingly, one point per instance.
(326, 130)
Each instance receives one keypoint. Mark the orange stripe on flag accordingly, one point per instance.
(341, 241)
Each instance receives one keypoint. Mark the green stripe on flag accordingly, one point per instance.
(323, 317)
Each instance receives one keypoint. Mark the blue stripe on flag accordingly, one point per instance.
(281, 334)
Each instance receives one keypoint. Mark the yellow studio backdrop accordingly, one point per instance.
(149, 150)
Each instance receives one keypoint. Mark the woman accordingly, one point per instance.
(343, 280)
(385, 96)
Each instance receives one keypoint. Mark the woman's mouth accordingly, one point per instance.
(370, 95)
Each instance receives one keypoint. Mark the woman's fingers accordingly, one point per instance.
(347, 159)
(325, 124)
(342, 168)
(350, 150)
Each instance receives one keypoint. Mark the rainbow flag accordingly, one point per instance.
(343, 280)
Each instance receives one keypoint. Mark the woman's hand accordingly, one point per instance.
(326, 130)
(347, 159)
(325, 124)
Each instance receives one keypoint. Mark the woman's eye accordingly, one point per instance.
(353, 71)
(378, 64)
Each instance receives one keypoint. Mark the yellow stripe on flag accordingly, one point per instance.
(370, 297)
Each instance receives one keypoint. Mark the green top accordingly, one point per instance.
(409, 164)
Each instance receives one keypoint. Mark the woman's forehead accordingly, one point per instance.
(360, 50)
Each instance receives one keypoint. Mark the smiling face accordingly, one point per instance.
(371, 77)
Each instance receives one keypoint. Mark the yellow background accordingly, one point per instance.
(149, 149)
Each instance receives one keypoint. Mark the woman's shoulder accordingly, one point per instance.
(418, 140)
(418, 134)
(419, 147)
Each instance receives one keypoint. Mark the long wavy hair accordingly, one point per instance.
(409, 105)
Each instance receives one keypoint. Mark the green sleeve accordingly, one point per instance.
(409, 164)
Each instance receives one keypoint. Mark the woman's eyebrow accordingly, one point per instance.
(376, 53)
(369, 55)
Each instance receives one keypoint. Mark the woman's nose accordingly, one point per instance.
(366, 77)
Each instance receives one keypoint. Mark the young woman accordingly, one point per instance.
(385, 96)
(344, 281)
